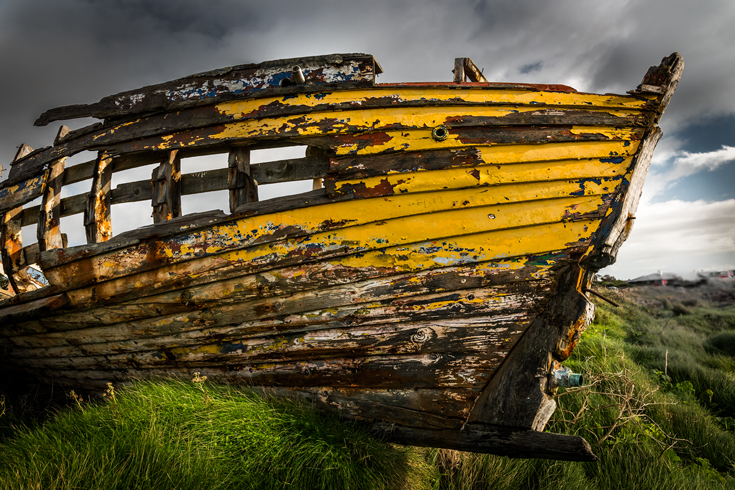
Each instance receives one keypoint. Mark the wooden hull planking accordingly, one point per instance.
(430, 284)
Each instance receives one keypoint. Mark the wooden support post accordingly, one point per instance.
(458, 70)
(11, 241)
(166, 188)
(243, 188)
(97, 222)
(49, 216)
(23, 150)
(473, 72)
(11, 245)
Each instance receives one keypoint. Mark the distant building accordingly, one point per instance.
(656, 279)
(723, 274)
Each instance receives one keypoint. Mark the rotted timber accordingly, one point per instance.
(97, 223)
(166, 188)
(429, 285)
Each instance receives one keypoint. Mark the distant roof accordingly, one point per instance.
(656, 276)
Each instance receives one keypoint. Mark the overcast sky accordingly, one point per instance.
(60, 52)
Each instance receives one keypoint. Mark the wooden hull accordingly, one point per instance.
(433, 283)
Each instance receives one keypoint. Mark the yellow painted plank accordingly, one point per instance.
(358, 98)
(474, 248)
(558, 151)
(416, 229)
(422, 140)
(331, 122)
(490, 175)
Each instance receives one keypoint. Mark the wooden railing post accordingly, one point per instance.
(11, 241)
(49, 217)
(166, 188)
(243, 188)
(12, 249)
(97, 222)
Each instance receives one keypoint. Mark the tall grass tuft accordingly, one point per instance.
(193, 435)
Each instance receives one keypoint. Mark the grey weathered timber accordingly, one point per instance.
(243, 188)
(253, 80)
(49, 217)
(473, 72)
(12, 249)
(97, 223)
(494, 439)
(166, 188)
(519, 394)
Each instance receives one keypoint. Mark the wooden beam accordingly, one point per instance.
(97, 221)
(514, 442)
(472, 72)
(23, 150)
(166, 188)
(49, 218)
(237, 82)
(243, 188)
(12, 249)
(458, 70)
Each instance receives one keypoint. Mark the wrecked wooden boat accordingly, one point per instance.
(430, 283)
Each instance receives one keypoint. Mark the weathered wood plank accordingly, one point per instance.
(385, 371)
(13, 196)
(97, 222)
(263, 247)
(459, 75)
(493, 439)
(384, 97)
(510, 306)
(166, 188)
(617, 225)
(427, 408)
(520, 395)
(308, 287)
(11, 246)
(322, 73)
(472, 72)
(665, 78)
(446, 336)
(49, 217)
(243, 188)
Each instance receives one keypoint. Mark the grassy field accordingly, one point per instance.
(659, 410)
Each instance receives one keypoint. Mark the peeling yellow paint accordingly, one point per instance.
(357, 98)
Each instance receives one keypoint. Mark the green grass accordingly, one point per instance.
(185, 435)
(659, 412)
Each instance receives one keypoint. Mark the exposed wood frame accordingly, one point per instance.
(465, 69)
(97, 222)
(49, 217)
(12, 249)
(166, 188)
(243, 187)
